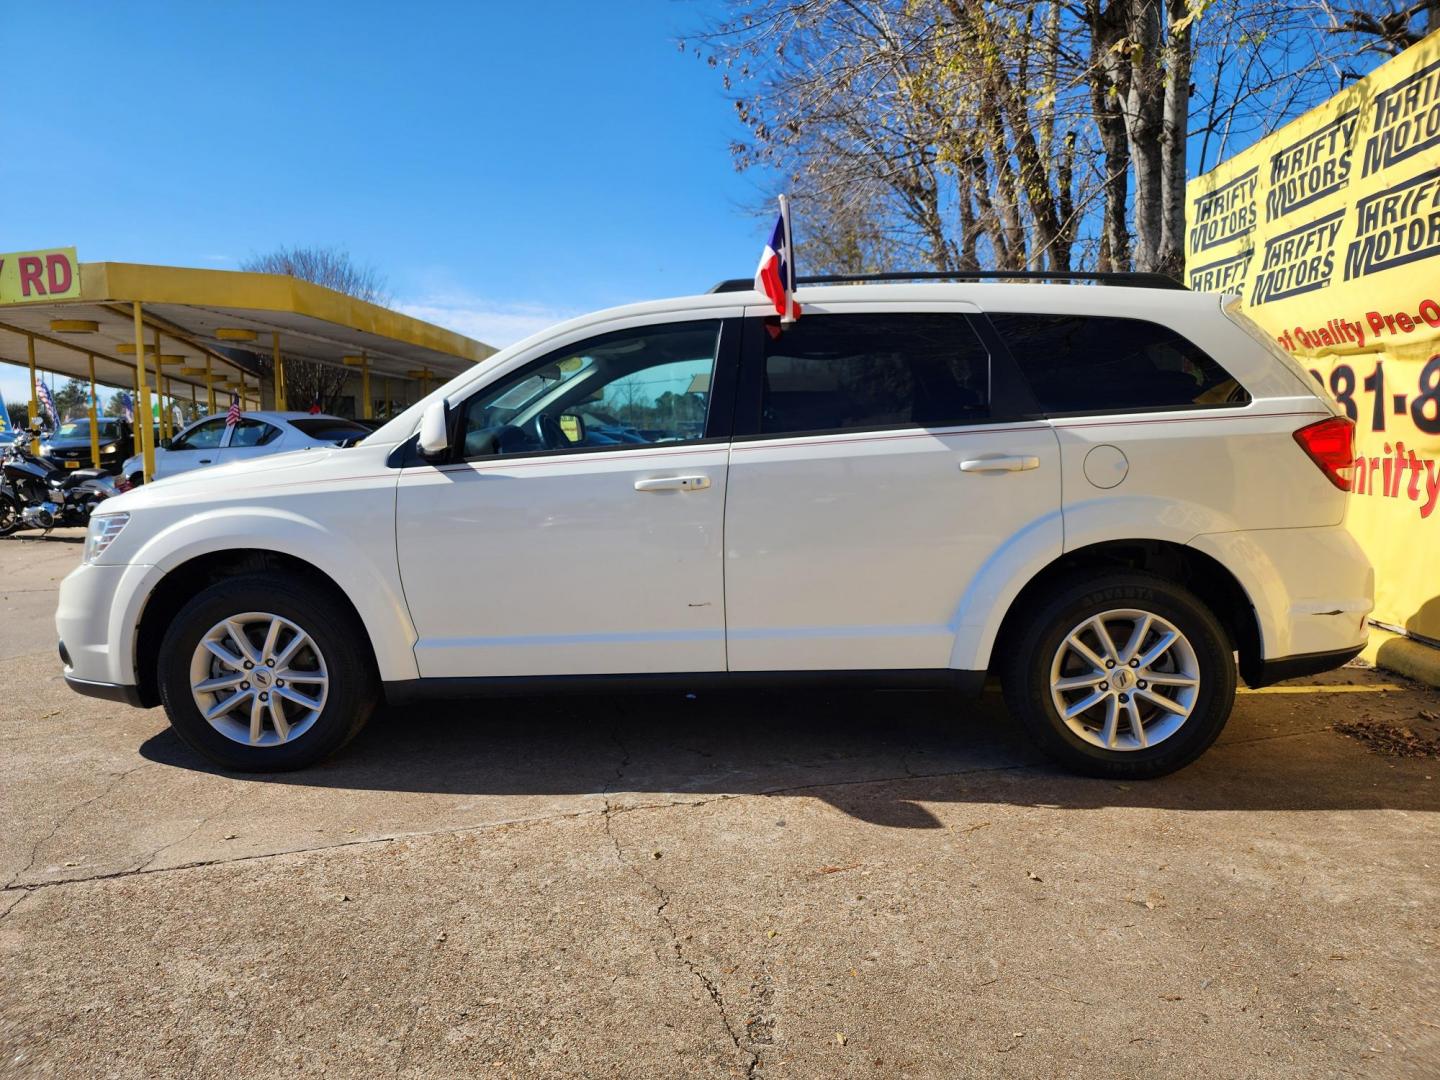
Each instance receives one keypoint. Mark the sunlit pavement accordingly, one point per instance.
(796, 885)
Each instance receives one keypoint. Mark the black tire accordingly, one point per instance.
(9, 515)
(1032, 650)
(353, 685)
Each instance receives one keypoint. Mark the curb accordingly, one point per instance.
(1403, 655)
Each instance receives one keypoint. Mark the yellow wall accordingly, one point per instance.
(1330, 231)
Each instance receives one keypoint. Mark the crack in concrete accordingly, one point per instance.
(707, 983)
(543, 819)
(63, 818)
(19, 899)
(149, 860)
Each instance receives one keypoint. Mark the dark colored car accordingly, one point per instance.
(70, 444)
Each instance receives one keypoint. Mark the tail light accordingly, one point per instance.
(1330, 444)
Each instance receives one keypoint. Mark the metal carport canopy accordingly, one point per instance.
(190, 307)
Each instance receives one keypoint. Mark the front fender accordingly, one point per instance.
(360, 559)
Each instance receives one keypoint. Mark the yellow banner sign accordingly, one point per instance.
(28, 276)
(1330, 231)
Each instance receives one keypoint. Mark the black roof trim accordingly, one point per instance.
(1133, 280)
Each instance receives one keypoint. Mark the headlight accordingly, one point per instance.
(104, 528)
(108, 449)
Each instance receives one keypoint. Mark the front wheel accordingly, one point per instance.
(10, 520)
(266, 673)
(1123, 675)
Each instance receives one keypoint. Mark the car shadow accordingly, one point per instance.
(880, 757)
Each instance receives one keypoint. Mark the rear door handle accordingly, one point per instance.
(1000, 464)
(673, 483)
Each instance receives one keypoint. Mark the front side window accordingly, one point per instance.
(254, 433)
(1091, 363)
(641, 387)
(846, 372)
(203, 436)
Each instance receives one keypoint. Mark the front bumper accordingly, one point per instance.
(95, 621)
(109, 462)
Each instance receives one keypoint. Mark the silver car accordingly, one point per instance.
(211, 441)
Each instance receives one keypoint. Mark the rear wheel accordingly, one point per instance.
(266, 673)
(1124, 675)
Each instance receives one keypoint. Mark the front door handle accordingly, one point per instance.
(204, 461)
(1000, 464)
(673, 483)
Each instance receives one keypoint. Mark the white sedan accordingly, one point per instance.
(211, 441)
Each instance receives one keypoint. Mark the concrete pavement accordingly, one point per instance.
(765, 885)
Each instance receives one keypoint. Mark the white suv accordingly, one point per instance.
(1105, 495)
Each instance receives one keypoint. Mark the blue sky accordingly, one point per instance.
(504, 165)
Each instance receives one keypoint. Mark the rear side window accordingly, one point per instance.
(330, 429)
(1085, 363)
(846, 372)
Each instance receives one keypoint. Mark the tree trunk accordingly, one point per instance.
(1144, 107)
(1115, 149)
(1171, 258)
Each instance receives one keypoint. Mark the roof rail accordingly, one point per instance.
(1133, 280)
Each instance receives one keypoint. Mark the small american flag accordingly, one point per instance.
(48, 401)
(232, 417)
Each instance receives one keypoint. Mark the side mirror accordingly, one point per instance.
(165, 443)
(434, 438)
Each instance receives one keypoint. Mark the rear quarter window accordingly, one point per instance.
(330, 430)
(1101, 364)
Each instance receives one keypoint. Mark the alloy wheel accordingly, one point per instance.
(1125, 679)
(259, 679)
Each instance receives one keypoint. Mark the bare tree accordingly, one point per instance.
(1019, 133)
(306, 382)
(1387, 28)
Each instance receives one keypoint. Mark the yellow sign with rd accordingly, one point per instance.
(1329, 230)
(28, 276)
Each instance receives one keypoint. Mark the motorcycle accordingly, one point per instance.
(37, 493)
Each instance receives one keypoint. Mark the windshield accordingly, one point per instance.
(79, 429)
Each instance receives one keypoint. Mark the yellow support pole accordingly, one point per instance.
(142, 413)
(385, 389)
(278, 363)
(209, 386)
(159, 390)
(369, 412)
(34, 394)
(94, 420)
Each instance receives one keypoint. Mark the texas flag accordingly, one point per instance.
(775, 276)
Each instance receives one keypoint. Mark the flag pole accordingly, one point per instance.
(789, 316)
